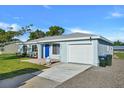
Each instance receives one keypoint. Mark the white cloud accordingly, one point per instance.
(79, 30)
(15, 27)
(46, 6)
(117, 14)
(45, 29)
(6, 26)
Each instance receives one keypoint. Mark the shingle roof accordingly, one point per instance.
(11, 42)
(73, 35)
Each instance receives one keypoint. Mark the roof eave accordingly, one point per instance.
(105, 39)
(70, 39)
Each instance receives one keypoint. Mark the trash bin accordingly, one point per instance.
(102, 60)
(109, 60)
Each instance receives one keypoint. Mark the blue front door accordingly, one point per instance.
(46, 50)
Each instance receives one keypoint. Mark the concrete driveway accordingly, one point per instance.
(55, 75)
(63, 72)
(99, 77)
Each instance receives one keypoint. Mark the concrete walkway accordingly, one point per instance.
(31, 60)
(55, 75)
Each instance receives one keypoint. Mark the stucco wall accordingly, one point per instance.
(63, 52)
(64, 48)
(104, 48)
(99, 48)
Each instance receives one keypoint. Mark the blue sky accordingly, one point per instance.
(106, 20)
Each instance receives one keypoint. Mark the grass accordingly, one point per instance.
(120, 55)
(10, 66)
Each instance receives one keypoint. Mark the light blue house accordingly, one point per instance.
(72, 48)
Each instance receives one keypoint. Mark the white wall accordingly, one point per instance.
(28, 49)
(39, 46)
(95, 52)
(63, 52)
(97, 49)
(105, 49)
(64, 48)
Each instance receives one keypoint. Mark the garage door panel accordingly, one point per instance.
(80, 54)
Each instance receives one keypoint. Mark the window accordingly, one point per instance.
(34, 48)
(24, 48)
(56, 49)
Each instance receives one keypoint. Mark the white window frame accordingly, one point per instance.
(56, 50)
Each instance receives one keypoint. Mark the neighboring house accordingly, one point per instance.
(71, 48)
(118, 48)
(9, 48)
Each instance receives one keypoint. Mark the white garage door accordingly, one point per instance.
(81, 54)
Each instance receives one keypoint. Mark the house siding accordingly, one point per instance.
(39, 50)
(104, 48)
(63, 52)
(95, 52)
(28, 49)
(11, 48)
(64, 55)
(98, 47)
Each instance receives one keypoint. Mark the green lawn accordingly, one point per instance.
(120, 55)
(10, 66)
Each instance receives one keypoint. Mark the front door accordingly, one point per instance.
(46, 50)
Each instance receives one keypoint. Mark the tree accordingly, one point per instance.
(118, 43)
(55, 30)
(37, 34)
(26, 29)
(2, 31)
(7, 36)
